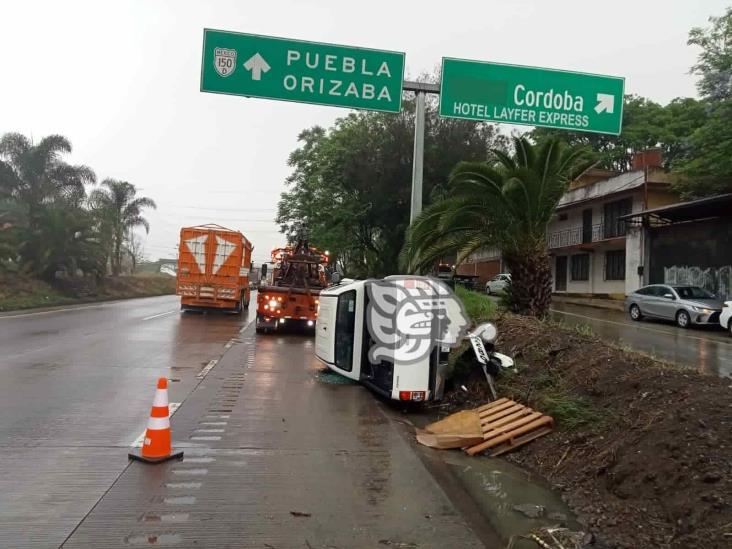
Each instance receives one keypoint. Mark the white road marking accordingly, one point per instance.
(173, 406)
(640, 326)
(206, 369)
(137, 443)
(38, 313)
(247, 324)
(161, 314)
(184, 485)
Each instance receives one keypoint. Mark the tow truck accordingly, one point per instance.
(293, 296)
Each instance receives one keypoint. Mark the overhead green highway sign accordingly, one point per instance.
(515, 94)
(295, 70)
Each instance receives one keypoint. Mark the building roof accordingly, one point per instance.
(620, 183)
(703, 208)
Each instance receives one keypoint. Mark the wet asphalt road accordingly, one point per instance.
(275, 454)
(278, 455)
(706, 349)
(76, 391)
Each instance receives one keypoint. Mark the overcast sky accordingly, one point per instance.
(121, 81)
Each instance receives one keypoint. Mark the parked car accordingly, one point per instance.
(498, 283)
(685, 305)
(725, 319)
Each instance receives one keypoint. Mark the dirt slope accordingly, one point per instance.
(643, 450)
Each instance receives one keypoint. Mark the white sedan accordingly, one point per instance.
(725, 319)
(498, 283)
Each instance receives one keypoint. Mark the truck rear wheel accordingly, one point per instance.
(258, 326)
(240, 305)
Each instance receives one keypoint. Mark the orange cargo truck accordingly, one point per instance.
(213, 268)
(292, 297)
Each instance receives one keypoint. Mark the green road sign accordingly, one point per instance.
(532, 96)
(307, 72)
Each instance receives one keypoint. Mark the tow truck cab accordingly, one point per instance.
(342, 342)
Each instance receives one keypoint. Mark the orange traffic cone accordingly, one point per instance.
(156, 447)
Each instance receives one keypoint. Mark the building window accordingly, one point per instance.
(615, 265)
(581, 267)
(614, 226)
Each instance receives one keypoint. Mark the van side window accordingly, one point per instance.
(344, 334)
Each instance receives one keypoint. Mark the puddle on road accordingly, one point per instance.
(498, 486)
(332, 378)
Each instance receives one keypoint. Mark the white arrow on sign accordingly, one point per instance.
(257, 65)
(605, 103)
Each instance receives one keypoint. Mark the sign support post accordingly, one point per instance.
(420, 89)
(417, 158)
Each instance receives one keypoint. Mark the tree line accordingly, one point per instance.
(694, 134)
(350, 184)
(55, 219)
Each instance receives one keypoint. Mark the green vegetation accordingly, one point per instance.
(479, 307)
(120, 211)
(18, 292)
(569, 412)
(351, 184)
(50, 229)
(695, 135)
(506, 203)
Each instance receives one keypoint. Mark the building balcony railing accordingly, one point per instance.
(576, 236)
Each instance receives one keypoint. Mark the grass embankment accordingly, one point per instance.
(17, 292)
(642, 449)
(479, 307)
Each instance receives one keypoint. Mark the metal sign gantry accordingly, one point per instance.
(361, 78)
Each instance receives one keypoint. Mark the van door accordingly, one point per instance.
(345, 360)
(325, 328)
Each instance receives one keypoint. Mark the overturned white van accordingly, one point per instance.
(343, 341)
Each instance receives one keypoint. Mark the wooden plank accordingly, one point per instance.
(508, 427)
(498, 408)
(507, 436)
(492, 404)
(503, 413)
(493, 425)
(519, 441)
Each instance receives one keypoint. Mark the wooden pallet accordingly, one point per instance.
(507, 425)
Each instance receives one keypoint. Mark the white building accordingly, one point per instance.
(593, 252)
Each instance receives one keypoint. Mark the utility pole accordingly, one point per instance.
(420, 89)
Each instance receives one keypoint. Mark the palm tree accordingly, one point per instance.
(35, 177)
(507, 204)
(119, 211)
